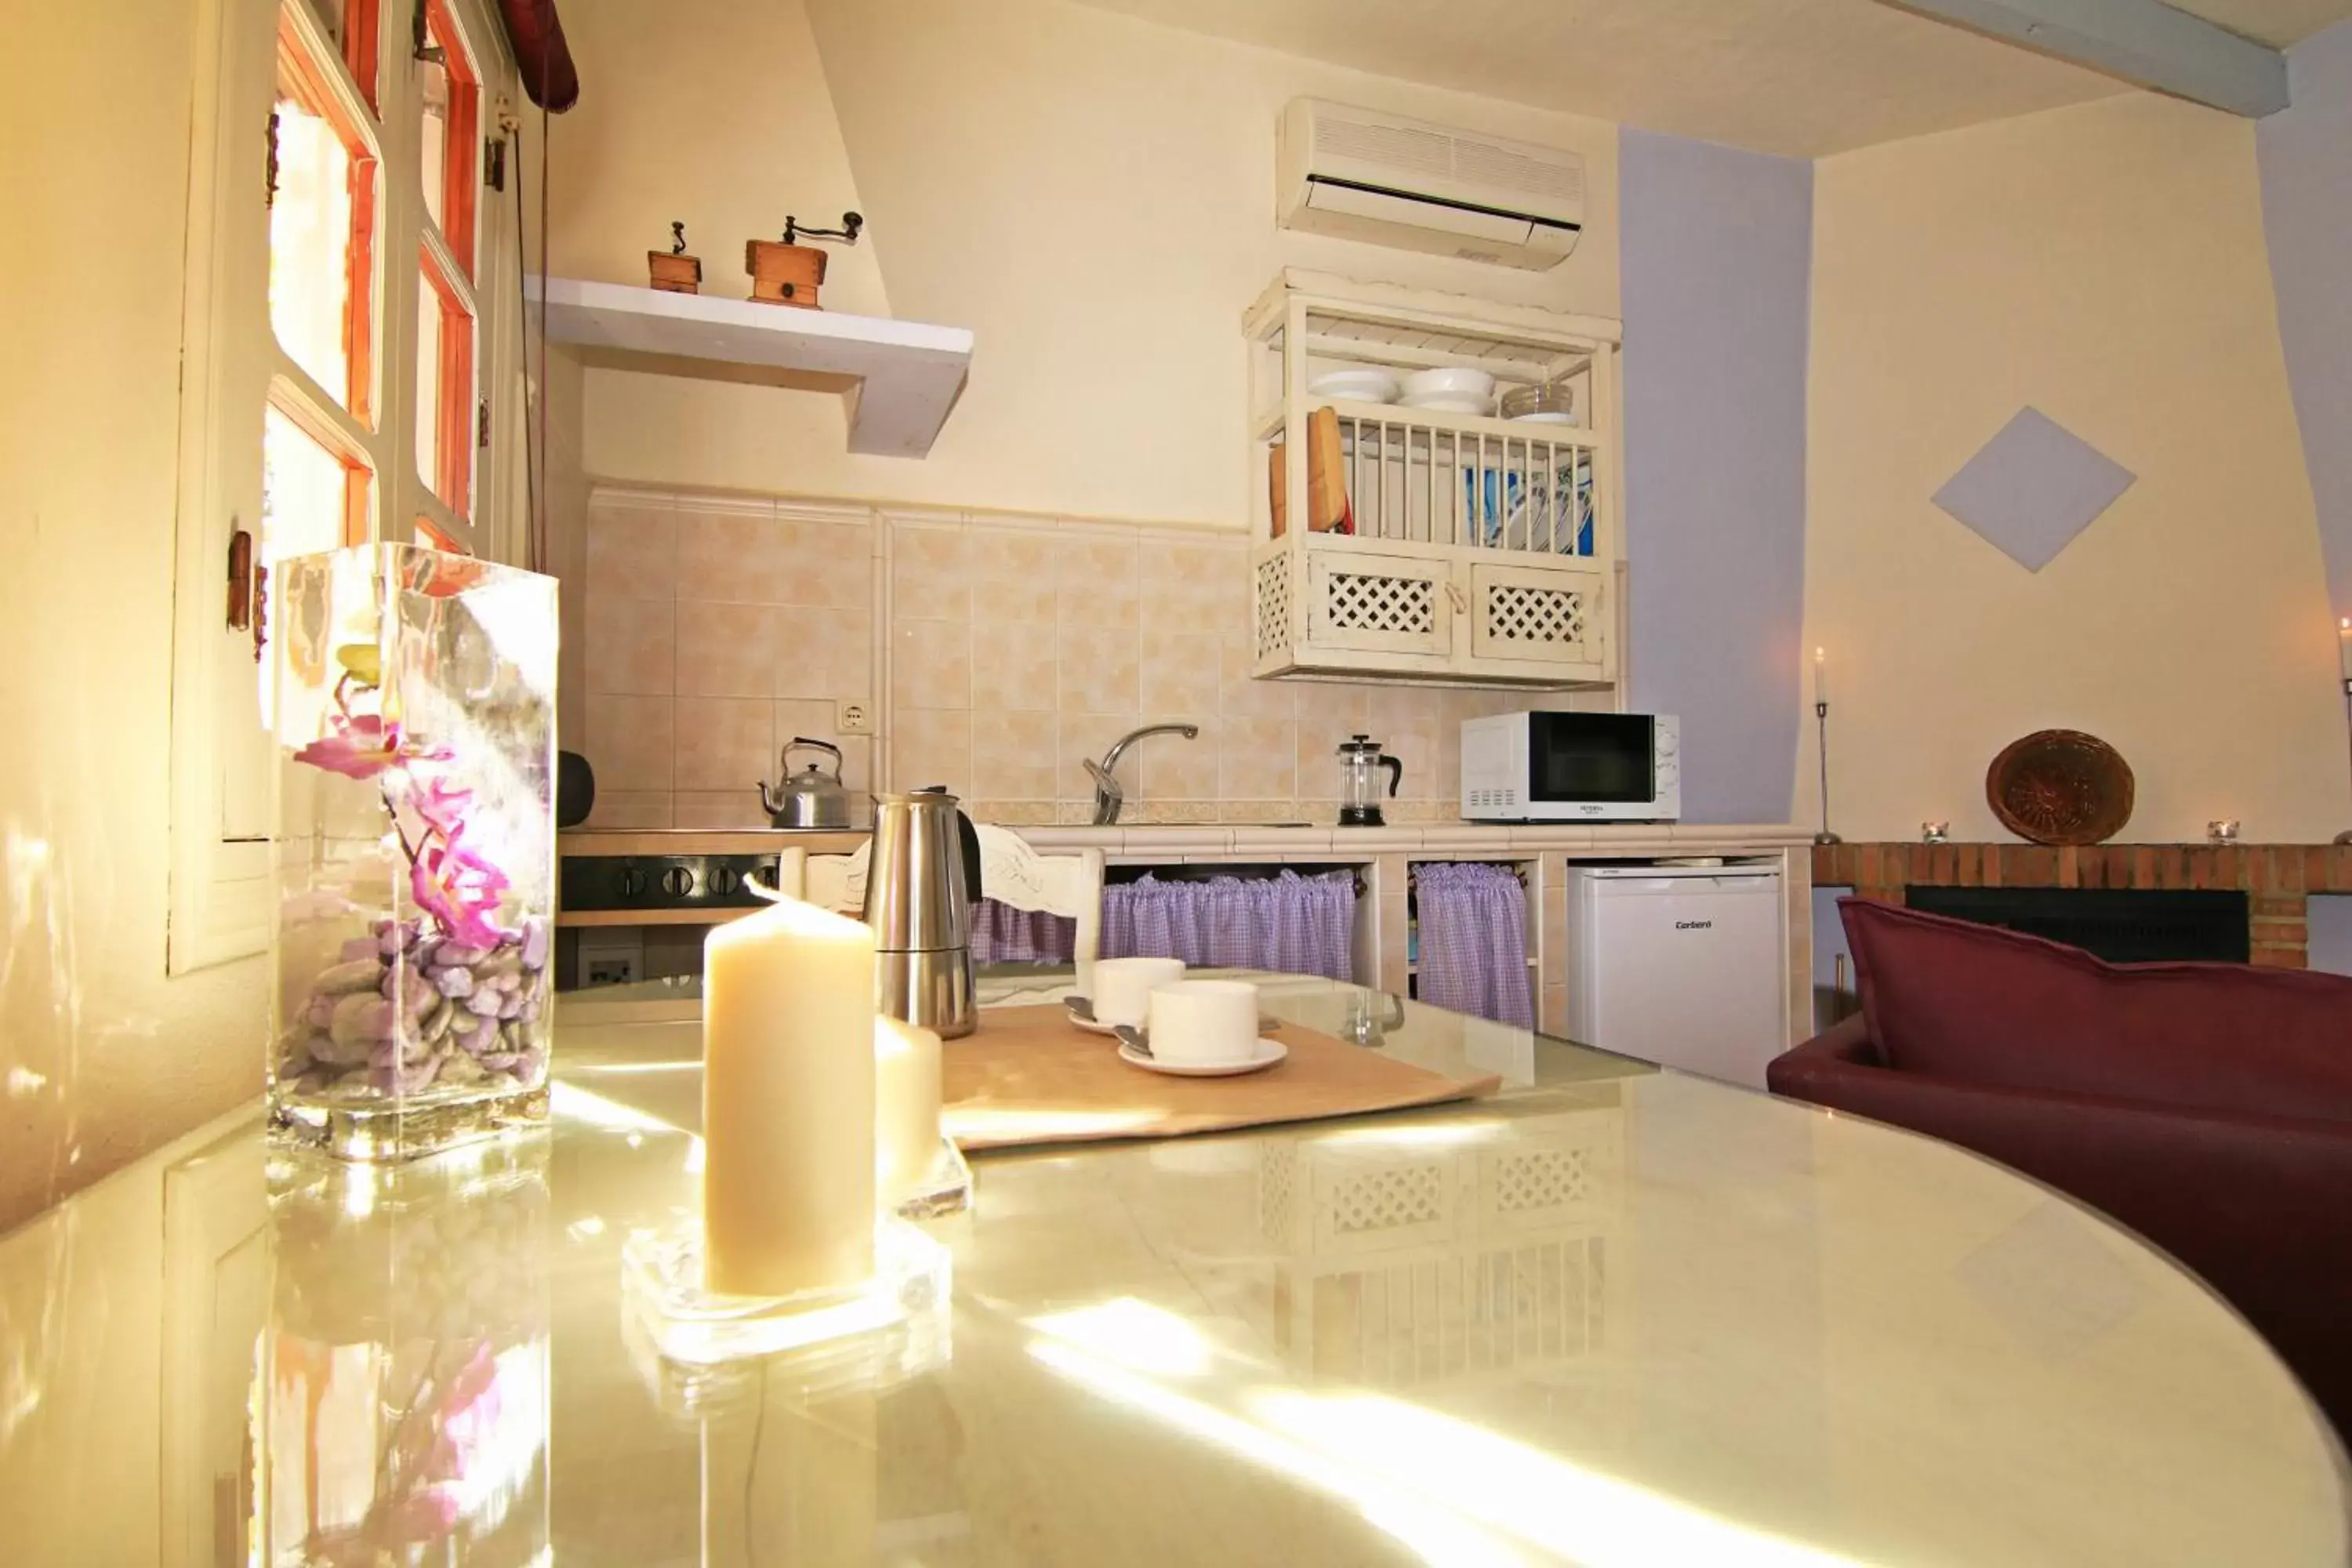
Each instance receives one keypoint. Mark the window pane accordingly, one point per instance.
(310, 246)
(311, 501)
(448, 167)
(428, 382)
(305, 492)
(444, 391)
(433, 81)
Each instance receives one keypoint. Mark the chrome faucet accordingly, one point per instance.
(1108, 796)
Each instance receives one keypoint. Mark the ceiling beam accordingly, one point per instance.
(2145, 41)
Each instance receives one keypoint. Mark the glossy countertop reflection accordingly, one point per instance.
(1611, 1315)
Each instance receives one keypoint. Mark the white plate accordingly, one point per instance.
(1448, 402)
(1359, 383)
(1554, 418)
(1464, 381)
(1268, 1053)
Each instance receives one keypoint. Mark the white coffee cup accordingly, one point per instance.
(1123, 987)
(1202, 1022)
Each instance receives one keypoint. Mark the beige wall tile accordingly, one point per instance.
(1200, 587)
(1013, 756)
(821, 653)
(734, 557)
(725, 743)
(631, 741)
(931, 746)
(1258, 811)
(1097, 670)
(831, 563)
(930, 573)
(629, 808)
(1243, 697)
(1179, 676)
(1096, 582)
(631, 645)
(1012, 573)
(720, 808)
(1175, 769)
(930, 664)
(1415, 745)
(1258, 758)
(815, 720)
(1015, 812)
(632, 553)
(727, 650)
(1015, 665)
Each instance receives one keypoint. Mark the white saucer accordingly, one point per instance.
(1268, 1053)
(1093, 1026)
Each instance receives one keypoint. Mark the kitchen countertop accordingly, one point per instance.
(1181, 840)
(1611, 1315)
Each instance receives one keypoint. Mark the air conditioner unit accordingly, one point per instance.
(1356, 174)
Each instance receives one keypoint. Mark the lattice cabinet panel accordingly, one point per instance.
(1276, 614)
(1543, 616)
(1392, 603)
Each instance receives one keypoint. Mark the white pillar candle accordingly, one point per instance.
(906, 1107)
(2344, 646)
(788, 1102)
(1821, 674)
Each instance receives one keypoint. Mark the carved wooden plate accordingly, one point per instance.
(2061, 786)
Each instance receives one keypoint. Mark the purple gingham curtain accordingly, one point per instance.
(1473, 941)
(1002, 934)
(1289, 923)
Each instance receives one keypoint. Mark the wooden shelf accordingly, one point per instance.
(907, 374)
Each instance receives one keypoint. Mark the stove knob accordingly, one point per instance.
(678, 882)
(631, 884)
(725, 882)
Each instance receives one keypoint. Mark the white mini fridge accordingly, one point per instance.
(1682, 965)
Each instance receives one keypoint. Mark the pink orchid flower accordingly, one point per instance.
(460, 890)
(358, 747)
(441, 804)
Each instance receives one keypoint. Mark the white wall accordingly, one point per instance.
(100, 1055)
(2107, 265)
(1093, 195)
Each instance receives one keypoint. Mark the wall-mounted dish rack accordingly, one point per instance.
(1476, 550)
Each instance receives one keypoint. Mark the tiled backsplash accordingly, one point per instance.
(718, 628)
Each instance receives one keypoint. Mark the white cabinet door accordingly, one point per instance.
(1543, 618)
(1362, 602)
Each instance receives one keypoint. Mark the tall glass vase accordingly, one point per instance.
(414, 697)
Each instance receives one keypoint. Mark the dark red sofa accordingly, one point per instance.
(2207, 1107)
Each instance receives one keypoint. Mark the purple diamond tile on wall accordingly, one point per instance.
(2033, 487)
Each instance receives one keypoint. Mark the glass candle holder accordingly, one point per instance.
(414, 696)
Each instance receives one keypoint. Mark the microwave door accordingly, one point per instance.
(1576, 759)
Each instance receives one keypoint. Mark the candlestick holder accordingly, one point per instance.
(843, 1331)
(2346, 837)
(1822, 714)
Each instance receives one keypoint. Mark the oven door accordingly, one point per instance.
(1581, 760)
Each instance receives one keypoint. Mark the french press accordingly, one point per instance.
(1360, 781)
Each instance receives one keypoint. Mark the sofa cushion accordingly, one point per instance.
(1980, 1004)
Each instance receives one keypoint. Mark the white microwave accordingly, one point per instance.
(1571, 767)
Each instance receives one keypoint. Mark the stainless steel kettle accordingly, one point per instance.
(921, 877)
(811, 797)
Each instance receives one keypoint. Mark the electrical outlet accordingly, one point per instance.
(853, 718)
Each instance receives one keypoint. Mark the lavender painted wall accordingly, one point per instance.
(1716, 261)
(2305, 156)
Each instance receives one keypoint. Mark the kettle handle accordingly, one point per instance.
(800, 743)
(1396, 772)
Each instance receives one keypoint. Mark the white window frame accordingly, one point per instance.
(232, 369)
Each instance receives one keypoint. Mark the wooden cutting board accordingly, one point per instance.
(1029, 1076)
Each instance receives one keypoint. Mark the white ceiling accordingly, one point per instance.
(1799, 76)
